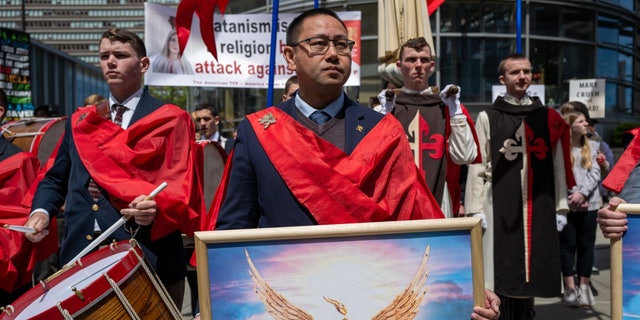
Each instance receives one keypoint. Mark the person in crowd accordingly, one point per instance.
(170, 60)
(520, 185)
(18, 170)
(93, 100)
(208, 120)
(440, 131)
(624, 180)
(578, 236)
(293, 163)
(46, 111)
(387, 95)
(112, 156)
(290, 88)
(604, 156)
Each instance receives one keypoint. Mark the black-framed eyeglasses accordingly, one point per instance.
(320, 45)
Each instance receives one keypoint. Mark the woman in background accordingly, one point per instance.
(577, 238)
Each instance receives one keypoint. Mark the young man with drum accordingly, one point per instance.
(111, 157)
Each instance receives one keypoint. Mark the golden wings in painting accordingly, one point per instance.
(403, 307)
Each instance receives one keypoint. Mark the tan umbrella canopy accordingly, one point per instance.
(399, 21)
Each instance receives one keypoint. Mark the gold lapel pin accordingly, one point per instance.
(267, 120)
(359, 128)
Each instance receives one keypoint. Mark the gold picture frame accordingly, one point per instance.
(625, 267)
(323, 271)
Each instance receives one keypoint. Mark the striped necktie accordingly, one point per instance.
(94, 190)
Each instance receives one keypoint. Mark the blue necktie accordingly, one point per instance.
(320, 117)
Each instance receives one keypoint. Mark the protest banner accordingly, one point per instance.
(591, 92)
(243, 45)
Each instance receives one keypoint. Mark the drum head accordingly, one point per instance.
(50, 139)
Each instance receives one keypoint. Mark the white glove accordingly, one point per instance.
(483, 219)
(387, 102)
(561, 221)
(451, 100)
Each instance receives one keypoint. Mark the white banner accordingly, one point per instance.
(243, 42)
(591, 92)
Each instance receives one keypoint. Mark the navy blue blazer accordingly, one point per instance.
(7, 149)
(256, 194)
(66, 183)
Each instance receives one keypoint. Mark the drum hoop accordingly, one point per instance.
(131, 249)
(35, 144)
(98, 299)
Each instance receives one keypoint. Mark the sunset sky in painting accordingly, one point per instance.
(631, 269)
(363, 274)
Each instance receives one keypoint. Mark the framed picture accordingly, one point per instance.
(348, 271)
(625, 267)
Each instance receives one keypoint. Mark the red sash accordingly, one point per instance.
(17, 254)
(127, 163)
(620, 173)
(377, 182)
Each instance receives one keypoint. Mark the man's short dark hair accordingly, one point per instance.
(208, 106)
(416, 44)
(293, 31)
(290, 81)
(126, 36)
(513, 56)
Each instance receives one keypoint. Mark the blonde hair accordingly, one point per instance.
(585, 150)
(93, 99)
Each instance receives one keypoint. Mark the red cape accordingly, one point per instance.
(127, 163)
(359, 189)
(17, 254)
(355, 192)
(620, 173)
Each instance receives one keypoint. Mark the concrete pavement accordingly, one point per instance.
(552, 308)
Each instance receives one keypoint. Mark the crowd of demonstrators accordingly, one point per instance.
(322, 127)
(578, 236)
(100, 173)
(516, 146)
(440, 131)
(520, 185)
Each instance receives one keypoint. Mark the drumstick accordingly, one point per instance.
(629, 208)
(113, 228)
(22, 229)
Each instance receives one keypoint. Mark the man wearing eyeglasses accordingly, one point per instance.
(320, 158)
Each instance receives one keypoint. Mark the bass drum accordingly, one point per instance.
(114, 282)
(36, 135)
(214, 159)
